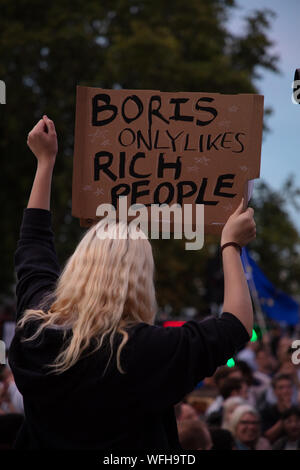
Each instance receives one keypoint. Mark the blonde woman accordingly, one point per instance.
(93, 369)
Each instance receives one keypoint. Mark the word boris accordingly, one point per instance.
(154, 109)
(166, 191)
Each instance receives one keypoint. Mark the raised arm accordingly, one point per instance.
(36, 264)
(241, 229)
(42, 141)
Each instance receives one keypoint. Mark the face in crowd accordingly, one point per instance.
(187, 412)
(283, 390)
(248, 429)
(292, 427)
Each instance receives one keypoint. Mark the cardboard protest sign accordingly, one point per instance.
(165, 148)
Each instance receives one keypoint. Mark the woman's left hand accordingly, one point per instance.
(42, 141)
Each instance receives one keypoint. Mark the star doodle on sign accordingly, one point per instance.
(244, 168)
(192, 168)
(202, 160)
(233, 108)
(97, 134)
(228, 207)
(105, 143)
(98, 191)
(224, 123)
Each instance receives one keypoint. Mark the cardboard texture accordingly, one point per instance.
(156, 147)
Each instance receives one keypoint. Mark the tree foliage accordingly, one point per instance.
(47, 49)
(277, 246)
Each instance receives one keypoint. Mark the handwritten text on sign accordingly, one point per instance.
(165, 148)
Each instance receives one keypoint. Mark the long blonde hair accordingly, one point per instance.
(106, 285)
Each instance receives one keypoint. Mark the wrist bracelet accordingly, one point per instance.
(231, 244)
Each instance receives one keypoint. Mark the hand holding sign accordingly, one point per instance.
(42, 141)
(240, 228)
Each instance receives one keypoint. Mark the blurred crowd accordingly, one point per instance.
(254, 404)
(11, 408)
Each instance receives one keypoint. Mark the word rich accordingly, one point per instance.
(166, 191)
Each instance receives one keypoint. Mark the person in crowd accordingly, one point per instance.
(185, 412)
(218, 378)
(11, 411)
(85, 335)
(283, 349)
(248, 354)
(222, 439)
(221, 374)
(199, 400)
(231, 387)
(245, 427)
(13, 396)
(194, 435)
(253, 385)
(268, 397)
(229, 405)
(288, 368)
(234, 387)
(6, 403)
(290, 439)
(262, 393)
(265, 366)
(272, 425)
(273, 336)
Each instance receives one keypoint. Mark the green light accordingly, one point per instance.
(230, 362)
(254, 336)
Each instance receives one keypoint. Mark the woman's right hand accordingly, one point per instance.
(240, 227)
(42, 141)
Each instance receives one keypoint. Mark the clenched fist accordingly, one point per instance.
(42, 141)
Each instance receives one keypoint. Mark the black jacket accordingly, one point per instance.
(80, 408)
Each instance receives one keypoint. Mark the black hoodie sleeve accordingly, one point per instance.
(36, 264)
(172, 361)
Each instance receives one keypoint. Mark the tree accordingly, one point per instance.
(277, 246)
(46, 49)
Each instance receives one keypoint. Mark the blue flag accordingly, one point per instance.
(274, 303)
